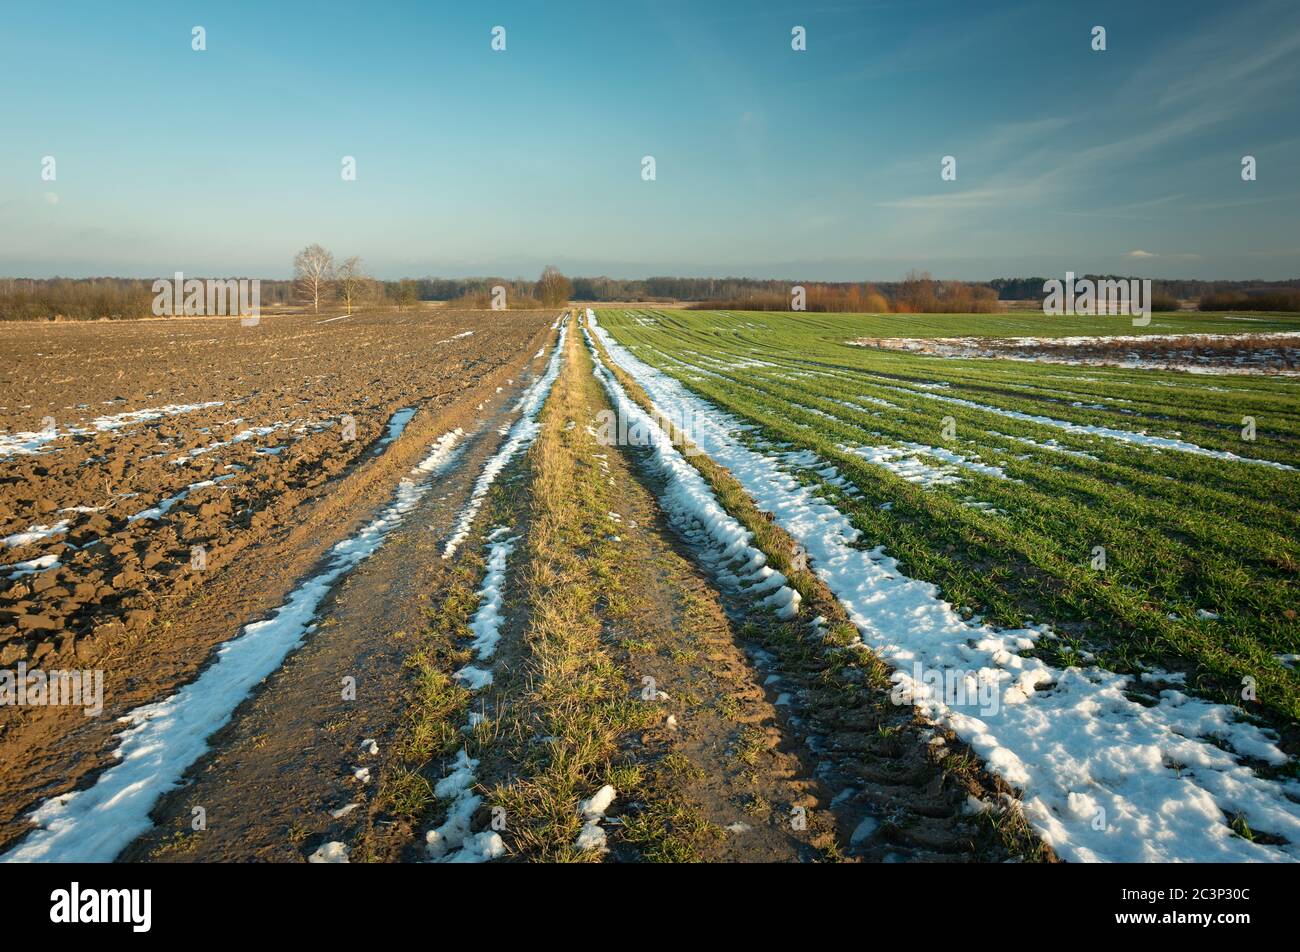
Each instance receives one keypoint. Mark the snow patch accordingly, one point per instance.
(335, 852)
(904, 460)
(1163, 778)
(1125, 436)
(520, 437)
(396, 424)
(163, 738)
(486, 623)
(692, 508)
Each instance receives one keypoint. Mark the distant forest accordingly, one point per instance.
(1028, 289)
(1008, 289)
(119, 298)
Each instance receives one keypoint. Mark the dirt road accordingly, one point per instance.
(514, 633)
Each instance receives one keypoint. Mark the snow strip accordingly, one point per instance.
(396, 424)
(241, 437)
(486, 623)
(1253, 356)
(1051, 444)
(26, 442)
(904, 461)
(41, 563)
(454, 841)
(520, 437)
(692, 508)
(1103, 777)
(30, 443)
(1126, 436)
(149, 414)
(35, 534)
(162, 739)
(164, 507)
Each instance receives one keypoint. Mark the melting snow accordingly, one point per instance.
(396, 424)
(592, 811)
(1126, 436)
(904, 460)
(163, 738)
(35, 534)
(694, 510)
(454, 841)
(32, 566)
(521, 437)
(1103, 777)
(486, 623)
(334, 852)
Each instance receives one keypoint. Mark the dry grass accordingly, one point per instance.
(576, 704)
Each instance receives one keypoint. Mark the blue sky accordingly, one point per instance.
(821, 164)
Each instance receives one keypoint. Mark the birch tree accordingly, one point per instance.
(313, 270)
(352, 281)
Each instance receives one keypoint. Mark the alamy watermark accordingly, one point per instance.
(1131, 296)
(620, 429)
(192, 297)
(955, 688)
(77, 905)
(26, 687)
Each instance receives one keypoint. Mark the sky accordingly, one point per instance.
(820, 164)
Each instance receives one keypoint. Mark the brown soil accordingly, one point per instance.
(292, 750)
(131, 604)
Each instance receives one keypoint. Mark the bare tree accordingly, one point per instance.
(313, 269)
(353, 282)
(408, 294)
(916, 293)
(554, 288)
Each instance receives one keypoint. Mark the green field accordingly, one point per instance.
(832, 328)
(1201, 552)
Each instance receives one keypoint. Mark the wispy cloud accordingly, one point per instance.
(970, 198)
(1139, 253)
(1168, 102)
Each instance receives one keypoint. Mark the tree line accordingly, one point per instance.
(918, 293)
(324, 281)
(317, 279)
